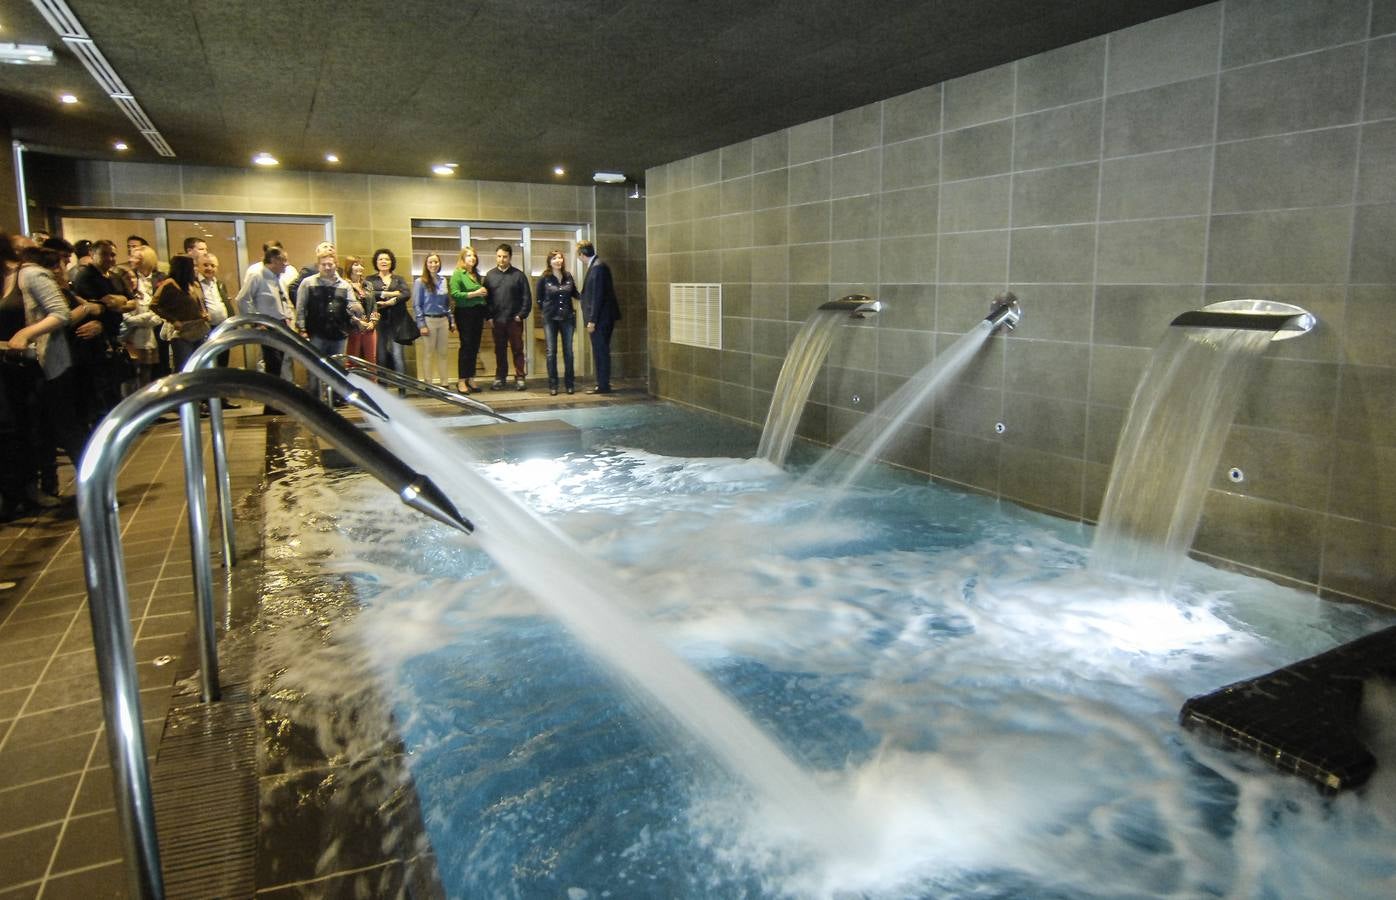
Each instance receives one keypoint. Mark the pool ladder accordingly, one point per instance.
(415, 385)
(104, 568)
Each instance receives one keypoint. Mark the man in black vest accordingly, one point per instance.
(601, 311)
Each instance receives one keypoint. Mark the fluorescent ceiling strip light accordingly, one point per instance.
(63, 21)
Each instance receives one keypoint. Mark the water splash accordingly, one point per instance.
(860, 448)
(512, 534)
(793, 385)
(1169, 448)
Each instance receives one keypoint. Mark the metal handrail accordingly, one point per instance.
(104, 568)
(407, 382)
(250, 329)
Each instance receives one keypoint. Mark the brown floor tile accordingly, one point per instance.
(37, 803)
(88, 841)
(59, 692)
(20, 631)
(48, 606)
(21, 763)
(24, 855)
(108, 882)
(51, 724)
(21, 674)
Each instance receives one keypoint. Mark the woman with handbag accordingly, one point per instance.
(363, 338)
(389, 293)
(179, 301)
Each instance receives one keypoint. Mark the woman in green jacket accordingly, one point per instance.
(468, 295)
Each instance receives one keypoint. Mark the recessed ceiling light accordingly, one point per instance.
(444, 169)
(121, 145)
(264, 159)
(331, 157)
(68, 98)
(559, 170)
(608, 177)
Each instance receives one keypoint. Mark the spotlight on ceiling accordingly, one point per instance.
(559, 170)
(121, 145)
(444, 168)
(265, 159)
(68, 98)
(608, 178)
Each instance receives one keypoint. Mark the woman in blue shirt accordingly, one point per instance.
(556, 291)
(432, 301)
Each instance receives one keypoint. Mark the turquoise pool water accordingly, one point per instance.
(996, 721)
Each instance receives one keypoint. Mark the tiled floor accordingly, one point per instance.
(58, 835)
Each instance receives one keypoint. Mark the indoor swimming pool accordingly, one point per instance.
(979, 714)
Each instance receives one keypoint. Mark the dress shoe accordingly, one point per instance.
(519, 385)
(497, 386)
(552, 391)
(598, 390)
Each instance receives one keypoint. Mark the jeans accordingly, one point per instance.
(326, 347)
(182, 350)
(551, 332)
(392, 355)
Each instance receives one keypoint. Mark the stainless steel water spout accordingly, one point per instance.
(858, 306)
(104, 567)
(1004, 312)
(1283, 319)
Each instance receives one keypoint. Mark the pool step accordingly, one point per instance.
(1303, 718)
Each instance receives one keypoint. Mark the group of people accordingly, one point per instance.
(79, 331)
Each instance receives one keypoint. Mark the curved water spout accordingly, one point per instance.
(104, 569)
(801, 365)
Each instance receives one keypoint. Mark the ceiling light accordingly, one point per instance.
(26, 54)
(444, 169)
(331, 157)
(264, 159)
(121, 145)
(68, 98)
(608, 178)
(559, 170)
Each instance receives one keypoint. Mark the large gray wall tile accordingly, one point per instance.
(857, 129)
(982, 97)
(1314, 168)
(1173, 183)
(911, 115)
(736, 160)
(810, 182)
(979, 257)
(910, 163)
(909, 212)
(1374, 235)
(1308, 246)
(1380, 101)
(975, 152)
(1175, 48)
(1058, 196)
(1316, 90)
(811, 141)
(1257, 30)
(1161, 118)
(1065, 253)
(1055, 137)
(1376, 177)
(1138, 315)
(1066, 75)
(854, 218)
(856, 173)
(770, 151)
(1383, 17)
(976, 204)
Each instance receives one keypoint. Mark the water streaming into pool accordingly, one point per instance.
(1002, 720)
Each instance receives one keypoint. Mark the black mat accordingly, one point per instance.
(1302, 718)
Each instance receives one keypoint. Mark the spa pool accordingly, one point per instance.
(986, 718)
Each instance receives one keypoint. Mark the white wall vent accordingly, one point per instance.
(695, 315)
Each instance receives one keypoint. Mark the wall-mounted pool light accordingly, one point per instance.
(265, 159)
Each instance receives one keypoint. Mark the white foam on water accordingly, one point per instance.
(1023, 709)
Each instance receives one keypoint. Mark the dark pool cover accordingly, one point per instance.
(1302, 718)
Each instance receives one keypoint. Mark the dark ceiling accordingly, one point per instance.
(507, 89)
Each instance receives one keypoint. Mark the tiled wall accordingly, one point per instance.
(1245, 148)
(369, 211)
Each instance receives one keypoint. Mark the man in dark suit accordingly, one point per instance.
(601, 311)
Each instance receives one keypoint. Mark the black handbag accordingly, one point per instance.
(406, 330)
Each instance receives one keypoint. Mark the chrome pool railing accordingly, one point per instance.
(415, 385)
(269, 332)
(104, 569)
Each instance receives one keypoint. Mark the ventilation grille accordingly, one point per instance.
(695, 315)
(97, 65)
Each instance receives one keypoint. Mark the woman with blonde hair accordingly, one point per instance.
(469, 296)
(432, 303)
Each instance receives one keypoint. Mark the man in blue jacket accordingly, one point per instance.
(601, 311)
